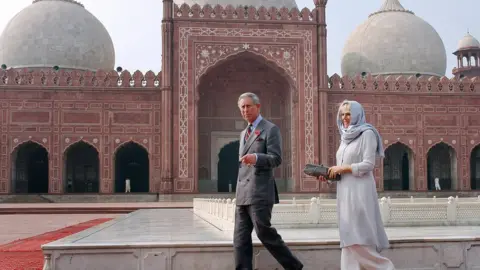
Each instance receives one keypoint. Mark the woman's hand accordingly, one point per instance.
(322, 179)
(333, 171)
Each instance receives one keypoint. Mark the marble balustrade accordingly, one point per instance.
(322, 212)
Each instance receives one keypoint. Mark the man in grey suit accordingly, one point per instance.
(260, 152)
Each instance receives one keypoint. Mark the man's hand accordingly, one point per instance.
(249, 159)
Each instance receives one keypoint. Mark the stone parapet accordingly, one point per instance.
(230, 13)
(100, 79)
(413, 84)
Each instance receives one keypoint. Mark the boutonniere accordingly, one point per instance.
(257, 132)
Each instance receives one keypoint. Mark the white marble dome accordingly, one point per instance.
(394, 41)
(59, 33)
(255, 3)
(468, 42)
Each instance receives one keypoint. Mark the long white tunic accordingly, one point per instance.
(359, 218)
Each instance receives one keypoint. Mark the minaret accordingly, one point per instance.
(166, 182)
(468, 57)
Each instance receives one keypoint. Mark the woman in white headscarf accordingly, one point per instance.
(362, 234)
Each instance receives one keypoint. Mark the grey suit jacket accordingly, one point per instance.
(256, 184)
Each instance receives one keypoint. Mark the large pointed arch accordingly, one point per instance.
(398, 167)
(290, 49)
(217, 113)
(132, 163)
(81, 168)
(285, 72)
(30, 168)
(442, 164)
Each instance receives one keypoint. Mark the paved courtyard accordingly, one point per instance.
(14, 227)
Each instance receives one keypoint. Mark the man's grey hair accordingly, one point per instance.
(254, 97)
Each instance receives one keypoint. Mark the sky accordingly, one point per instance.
(135, 25)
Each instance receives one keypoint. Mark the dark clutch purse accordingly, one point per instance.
(319, 170)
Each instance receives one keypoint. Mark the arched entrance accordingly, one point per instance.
(398, 167)
(217, 112)
(30, 168)
(442, 164)
(81, 168)
(132, 162)
(228, 167)
(475, 168)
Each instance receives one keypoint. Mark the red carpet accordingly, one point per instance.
(25, 254)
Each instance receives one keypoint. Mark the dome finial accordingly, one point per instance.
(391, 5)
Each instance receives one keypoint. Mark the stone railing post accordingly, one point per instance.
(385, 210)
(452, 210)
(315, 209)
(234, 209)
(47, 263)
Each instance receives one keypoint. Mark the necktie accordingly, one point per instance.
(249, 131)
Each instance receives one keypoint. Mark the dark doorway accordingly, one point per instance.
(475, 168)
(132, 162)
(396, 167)
(30, 170)
(218, 92)
(228, 167)
(440, 163)
(82, 172)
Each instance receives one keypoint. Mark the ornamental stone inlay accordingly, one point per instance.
(185, 33)
(208, 54)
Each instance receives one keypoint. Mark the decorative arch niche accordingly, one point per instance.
(398, 168)
(442, 163)
(30, 168)
(81, 168)
(475, 168)
(197, 50)
(131, 160)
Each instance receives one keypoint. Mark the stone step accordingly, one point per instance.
(27, 198)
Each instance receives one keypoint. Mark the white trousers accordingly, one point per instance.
(364, 258)
(127, 186)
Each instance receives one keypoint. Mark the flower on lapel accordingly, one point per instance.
(257, 132)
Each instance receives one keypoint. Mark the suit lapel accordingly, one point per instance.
(242, 143)
(258, 130)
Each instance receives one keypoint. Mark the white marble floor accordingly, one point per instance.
(170, 227)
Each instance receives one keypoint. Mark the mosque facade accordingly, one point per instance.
(72, 122)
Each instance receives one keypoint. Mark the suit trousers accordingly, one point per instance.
(258, 216)
(359, 257)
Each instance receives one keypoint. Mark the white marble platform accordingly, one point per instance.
(177, 239)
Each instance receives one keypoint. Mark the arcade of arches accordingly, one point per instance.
(220, 122)
(30, 168)
(219, 148)
(399, 161)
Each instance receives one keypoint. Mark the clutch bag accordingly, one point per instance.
(319, 170)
